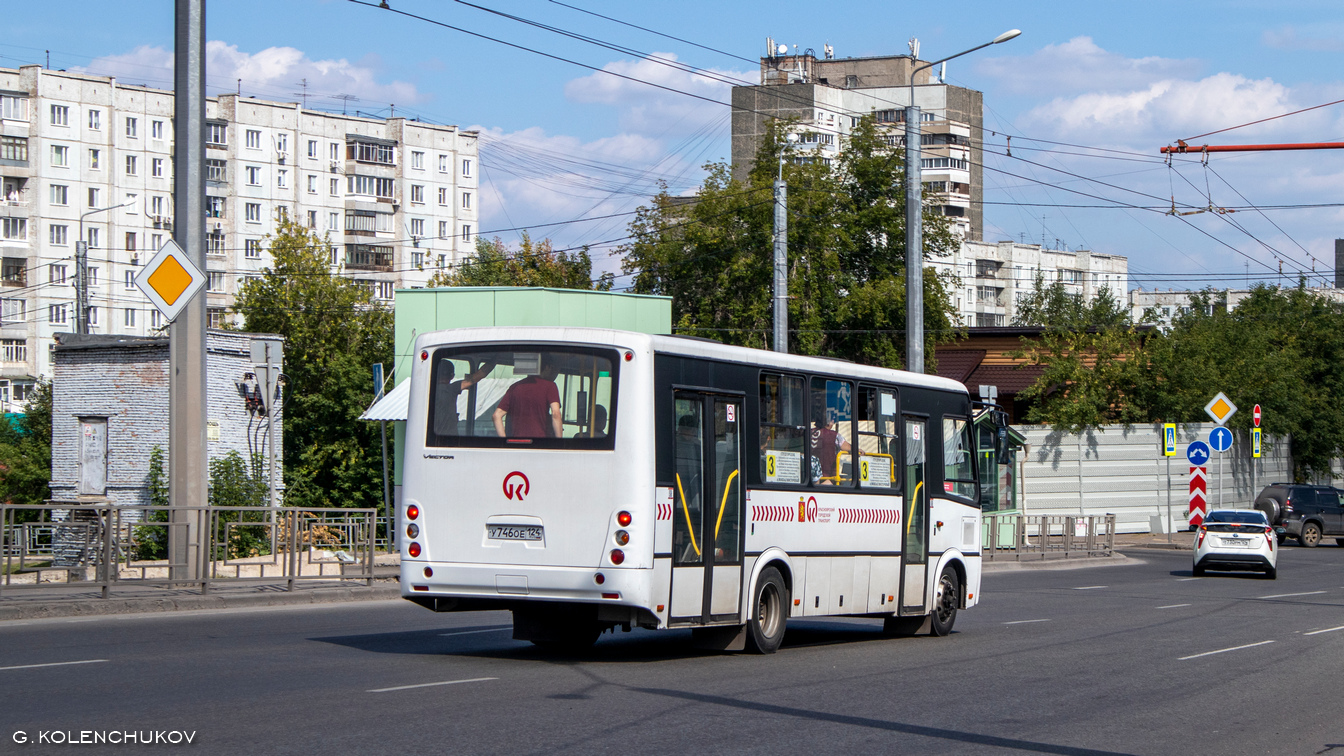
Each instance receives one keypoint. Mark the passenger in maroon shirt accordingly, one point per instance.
(532, 406)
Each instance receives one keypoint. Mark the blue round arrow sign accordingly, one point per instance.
(1221, 439)
(1198, 453)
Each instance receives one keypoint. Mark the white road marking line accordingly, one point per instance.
(473, 632)
(1224, 650)
(431, 685)
(1186, 580)
(53, 664)
(1327, 630)
(1089, 587)
(1173, 606)
(1023, 622)
(1286, 595)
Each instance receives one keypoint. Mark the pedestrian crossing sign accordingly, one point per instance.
(1169, 440)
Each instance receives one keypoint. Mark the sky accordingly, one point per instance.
(1088, 94)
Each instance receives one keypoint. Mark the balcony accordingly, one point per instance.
(366, 257)
(14, 272)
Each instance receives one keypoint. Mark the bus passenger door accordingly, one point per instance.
(708, 499)
(914, 547)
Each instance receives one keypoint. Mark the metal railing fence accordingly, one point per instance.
(1045, 536)
(101, 546)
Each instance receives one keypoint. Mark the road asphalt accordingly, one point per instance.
(20, 603)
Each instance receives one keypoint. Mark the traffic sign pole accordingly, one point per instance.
(188, 468)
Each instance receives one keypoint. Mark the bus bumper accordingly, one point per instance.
(619, 586)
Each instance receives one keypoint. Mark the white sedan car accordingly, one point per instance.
(1236, 539)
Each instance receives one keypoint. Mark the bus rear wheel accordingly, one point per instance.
(770, 600)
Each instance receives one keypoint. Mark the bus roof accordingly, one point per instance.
(690, 347)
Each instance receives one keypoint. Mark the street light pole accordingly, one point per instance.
(82, 272)
(914, 220)
(781, 295)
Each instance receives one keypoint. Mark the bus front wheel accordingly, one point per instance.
(765, 630)
(946, 599)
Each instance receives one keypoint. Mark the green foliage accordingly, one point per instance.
(25, 454)
(334, 331)
(1280, 348)
(532, 264)
(714, 253)
(235, 483)
(151, 541)
(1055, 307)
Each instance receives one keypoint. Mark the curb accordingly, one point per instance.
(1114, 560)
(37, 609)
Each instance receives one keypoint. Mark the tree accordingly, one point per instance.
(1280, 348)
(533, 264)
(334, 331)
(713, 253)
(25, 451)
(1055, 307)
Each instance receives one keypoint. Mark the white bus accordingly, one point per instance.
(588, 479)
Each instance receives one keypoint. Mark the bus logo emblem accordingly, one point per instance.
(521, 487)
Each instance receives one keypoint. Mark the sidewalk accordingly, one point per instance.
(1181, 541)
(19, 603)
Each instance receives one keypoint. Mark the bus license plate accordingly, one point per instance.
(514, 532)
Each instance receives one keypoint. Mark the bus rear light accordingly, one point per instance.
(599, 578)
(419, 587)
(413, 549)
(412, 512)
(412, 531)
(629, 356)
(622, 538)
(611, 595)
(429, 572)
(424, 354)
(624, 519)
(617, 556)
(660, 608)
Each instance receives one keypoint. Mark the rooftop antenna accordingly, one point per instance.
(914, 48)
(48, 59)
(345, 99)
(240, 87)
(304, 94)
(942, 74)
(828, 51)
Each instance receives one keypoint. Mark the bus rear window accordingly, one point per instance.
(522, 396)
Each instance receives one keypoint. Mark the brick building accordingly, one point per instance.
(110, 409)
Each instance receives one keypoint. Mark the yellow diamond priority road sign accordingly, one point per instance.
(1221, 409)
(170, 280)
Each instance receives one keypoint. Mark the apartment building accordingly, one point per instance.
(1166, 306)
(90, 157)
(827, 96)
(995, 277)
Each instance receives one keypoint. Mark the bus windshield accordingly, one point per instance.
(543, 396)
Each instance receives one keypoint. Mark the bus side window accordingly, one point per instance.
(876, 429)
(829, 437)
(783, 429)
(958, 457)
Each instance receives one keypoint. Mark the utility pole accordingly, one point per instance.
(188, 469)
(82, 272)
(914, 206)
(781, 261)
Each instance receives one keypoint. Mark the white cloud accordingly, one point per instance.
(276, 73)
(1079, 65)
(649, 109)
(1328, 38)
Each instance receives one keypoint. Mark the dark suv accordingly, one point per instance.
(1306, 513)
